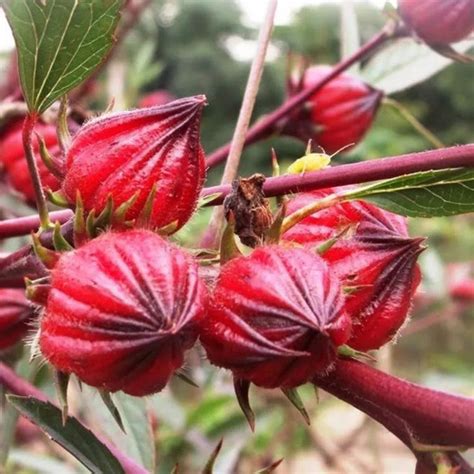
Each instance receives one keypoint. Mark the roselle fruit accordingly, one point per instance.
(275, 317)
(15, 314)
(439, 22)
(336, 116)
(12, 157)
(125, 155)
(374, 258)
(121, 312)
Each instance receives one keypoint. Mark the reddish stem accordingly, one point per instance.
(408, 410)
(18, 386)
(373, 170)
(267, 124)
(25, 225)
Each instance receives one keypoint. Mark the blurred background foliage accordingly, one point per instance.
(192, 47)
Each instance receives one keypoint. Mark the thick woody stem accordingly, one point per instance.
(266, 125)
(18, 386)
(413, 413)
(363, 172)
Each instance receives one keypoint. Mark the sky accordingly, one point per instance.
(254, 11)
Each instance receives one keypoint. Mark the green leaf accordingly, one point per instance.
(60, 43)
(73, 436)
(427, 194)
(350, 38)
(134, 415)
(405, 63)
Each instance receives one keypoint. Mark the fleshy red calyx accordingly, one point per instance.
(15, 313)
(12, 156)
(148, 160)
(439, 22)
(375, 260)
(338, 115)
(121, 312)
(276, 317)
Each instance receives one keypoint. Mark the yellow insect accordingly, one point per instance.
(312, 161)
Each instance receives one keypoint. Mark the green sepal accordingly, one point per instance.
(209, 467)
(47, 159)
(346, 351)
(273, 234)
(62, 129)
(325, 246)
(121, 211)
(104, 219)
(228, 246)
(241, 388)
(80, 235)
(205, 200)
(37, 292)
(90, 224)
(113, 410)
(168, 229)
(59, 242)
(271, 468)
(61, 382)
(47, 256)
(294, 397)
(143, 219)
(57, 198)
(350, 290)
(186, 378)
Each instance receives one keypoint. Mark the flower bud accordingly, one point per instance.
(373, 257)
(439, 21)
(159, 97)
(121, 312)
(12, 156)
(336, 116)
(15, 313)
(276, 317)
(126, 156)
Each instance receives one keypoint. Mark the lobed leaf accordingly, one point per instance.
(59, 43)
(438, 193)
(73, 436)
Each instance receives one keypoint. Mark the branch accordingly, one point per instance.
(266, 125)
(411, 412)
(373, 170)
(212, 235)
(18, 386)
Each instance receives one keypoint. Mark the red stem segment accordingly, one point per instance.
(266, 125)
(18, 386)
(409, 411)
(373, 170)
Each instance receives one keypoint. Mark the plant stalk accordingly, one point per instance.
(266, 125)
(363, 172)
(28, 129)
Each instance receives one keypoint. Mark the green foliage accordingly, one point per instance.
(73, 436)
(59, 44)
(426, 194)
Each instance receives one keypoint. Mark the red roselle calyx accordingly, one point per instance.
(374, 258)
(275, 318)
(15, 314)
(439, 22)
(12, 156)
(336, 116)
(121, 312)
(125, 155)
